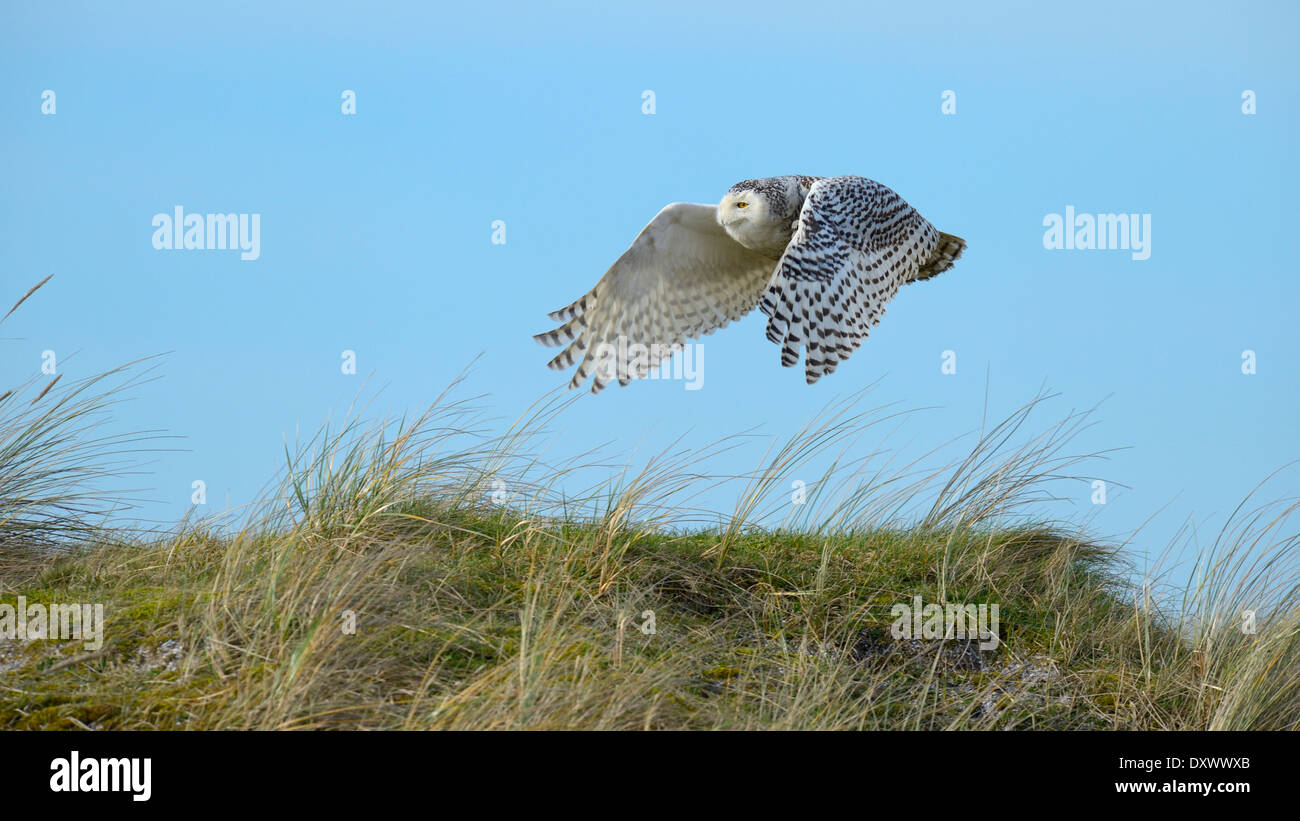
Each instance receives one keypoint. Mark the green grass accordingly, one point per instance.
(483, 619)
(484, 598)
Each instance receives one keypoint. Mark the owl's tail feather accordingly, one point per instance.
(947, 252)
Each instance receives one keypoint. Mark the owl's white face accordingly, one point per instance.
(747, 217)
(740, 207)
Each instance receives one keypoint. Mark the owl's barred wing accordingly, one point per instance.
(683, 277)
(856, 243)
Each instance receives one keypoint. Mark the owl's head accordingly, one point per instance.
(759, 213)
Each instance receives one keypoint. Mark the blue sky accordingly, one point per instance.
(376, 227)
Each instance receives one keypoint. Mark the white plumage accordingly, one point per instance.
(820, 256)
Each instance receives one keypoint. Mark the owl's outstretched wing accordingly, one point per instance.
(683, 277)
(855, 244)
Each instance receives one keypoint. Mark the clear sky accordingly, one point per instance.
(376, 228)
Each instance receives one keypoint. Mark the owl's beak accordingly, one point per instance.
(727, 215)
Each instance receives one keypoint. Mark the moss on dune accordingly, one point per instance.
(455, 628)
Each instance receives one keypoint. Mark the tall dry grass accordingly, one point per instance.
(62, 473)
(431, 573)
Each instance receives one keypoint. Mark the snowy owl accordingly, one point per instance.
(820, 256)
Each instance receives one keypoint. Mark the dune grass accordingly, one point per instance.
(430, 574)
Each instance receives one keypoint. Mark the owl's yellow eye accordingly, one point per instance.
(741, 204)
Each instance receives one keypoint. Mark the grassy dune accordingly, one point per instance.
(430, 575)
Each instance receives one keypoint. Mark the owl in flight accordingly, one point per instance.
(819, 256)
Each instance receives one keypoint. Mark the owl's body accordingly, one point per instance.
(820, 256)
